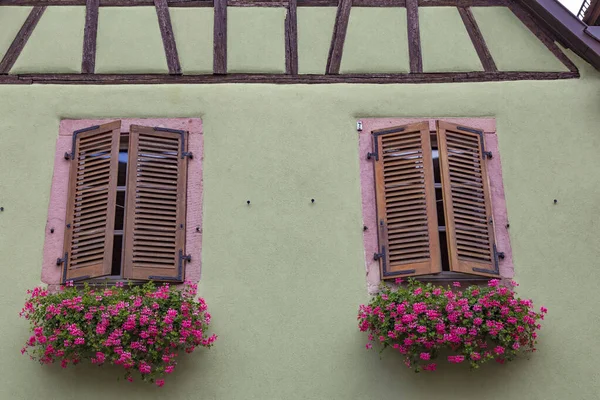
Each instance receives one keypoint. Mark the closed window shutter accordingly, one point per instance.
(155, 208)
(91, 203)
(467, 202)
(406, 209)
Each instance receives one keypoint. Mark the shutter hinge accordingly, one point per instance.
(377, 256)
(71, 155)
(179, 277)
(372, 155)
(187, 154)
(487, 154)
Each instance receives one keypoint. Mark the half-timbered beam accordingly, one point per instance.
(542, 35)
(260, 3)
(220, 37)
(88, 61)
(414, 37)
(168, 37)
(21, 39)
(477, 38)
(284, 79)
(291, 39)
(336, 49)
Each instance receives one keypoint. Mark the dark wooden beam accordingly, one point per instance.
(21, 39)
(260, 3)
(477, 38)
(283, 79)
(168, 37)
(336, 49)
(541, 34)
(88, 62)
(291, 39)
(414, 37)
(220, 37)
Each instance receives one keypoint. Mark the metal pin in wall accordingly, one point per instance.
(555, 201)
(51, 230)
(365, 228)
(248, 202)
(312, 200)
(1, 208)
(197, 229)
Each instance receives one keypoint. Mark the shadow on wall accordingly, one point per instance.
(489, 381)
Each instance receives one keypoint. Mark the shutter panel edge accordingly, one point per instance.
(102, 268)
(161, 271)
(428, 265)
(461, 264)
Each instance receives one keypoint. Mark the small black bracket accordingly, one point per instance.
(188, 154)
(377, 256)
(371, 156)
(184, 257)
(487, 154)
(61, 261)
(501, 255)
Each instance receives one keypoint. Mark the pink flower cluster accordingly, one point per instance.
(477, 324)
(140, 328)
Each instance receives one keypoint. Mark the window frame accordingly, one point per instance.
(55, 226)
(370, 237)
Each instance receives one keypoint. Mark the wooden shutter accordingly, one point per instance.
(91, 203)
(406, 209)
(467, 203)
(155, 209)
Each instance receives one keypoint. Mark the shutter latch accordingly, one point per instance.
(61, 261)
(184, 257)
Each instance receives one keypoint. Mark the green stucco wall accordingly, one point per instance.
(283, 277)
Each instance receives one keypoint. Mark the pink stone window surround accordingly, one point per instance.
(55, 224)
(494, 169)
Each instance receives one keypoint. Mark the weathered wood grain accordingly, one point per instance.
(477, 38)
(284, 79)
(291, 39)
(336, 49)
(168, 37)
(88, 61)
(220, 37)
(414, 37)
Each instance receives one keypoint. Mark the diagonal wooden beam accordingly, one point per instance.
(414, 38)
(477, 38)
(541, 34)
(168, 38)
(220, 37)
(336, 49)
(21, 39)
(291, 39)
(88, 61)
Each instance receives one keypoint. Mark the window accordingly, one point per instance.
(432, 201)
(126, 204)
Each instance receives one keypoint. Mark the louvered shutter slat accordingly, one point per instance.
(91, 202)
(406, 211)
(155, 210)
(467, 202)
